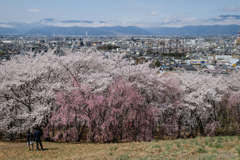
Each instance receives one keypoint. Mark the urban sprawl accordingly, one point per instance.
(217, 55)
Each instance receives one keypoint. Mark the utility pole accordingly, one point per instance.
(170, 47)
(183, 47)
(176, 45)
(163, 46)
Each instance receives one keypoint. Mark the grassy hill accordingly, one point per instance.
(198, 148)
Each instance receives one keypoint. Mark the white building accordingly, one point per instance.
(227, 58)
(7, 42)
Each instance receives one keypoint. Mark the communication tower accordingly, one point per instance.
(238, 33)
(238, 40)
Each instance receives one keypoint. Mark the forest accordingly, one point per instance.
(112, 100)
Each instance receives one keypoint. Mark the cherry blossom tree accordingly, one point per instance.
(119, 113)
(201, 100)
(111, 98)
(27, 91)
(30, 82)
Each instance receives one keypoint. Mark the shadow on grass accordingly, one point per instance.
(50, 149)
(45, 149)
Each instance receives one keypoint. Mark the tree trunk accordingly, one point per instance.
(81, 132)
(201, 129)
(53, 131)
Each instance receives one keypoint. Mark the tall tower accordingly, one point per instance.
(238, 33)
(238, 40)
(86, 33)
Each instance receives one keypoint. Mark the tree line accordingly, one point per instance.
(112, 100)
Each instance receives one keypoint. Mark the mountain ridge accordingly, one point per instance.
(50, 26)
(199, 30)
(52, 30)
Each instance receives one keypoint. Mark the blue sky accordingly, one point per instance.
(142, 13)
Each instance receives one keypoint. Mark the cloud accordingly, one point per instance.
(152, 14)
(147, 22)
(84, 24)
(179, 14)
(33, 10)
(6, 26)
(181, 22)
(229, 9)
(95, 24)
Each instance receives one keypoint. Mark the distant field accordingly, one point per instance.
(199, 148)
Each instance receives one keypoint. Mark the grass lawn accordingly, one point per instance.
(198, 148)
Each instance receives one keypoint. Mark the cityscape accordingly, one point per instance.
(120, 80)
(210, 54)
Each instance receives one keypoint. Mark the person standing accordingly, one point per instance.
(37, 135)
(30, 140)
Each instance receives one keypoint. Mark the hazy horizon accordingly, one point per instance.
(140, 13)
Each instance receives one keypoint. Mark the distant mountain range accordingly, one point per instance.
(55, 27)
(91, 31)
(8, 31)
(76, 27)
(197, 30)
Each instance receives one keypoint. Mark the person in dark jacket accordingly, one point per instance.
(30, 140)
(37, 135)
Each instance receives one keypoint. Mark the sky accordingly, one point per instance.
(141, 13)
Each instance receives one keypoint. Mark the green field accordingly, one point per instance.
(198, 148)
